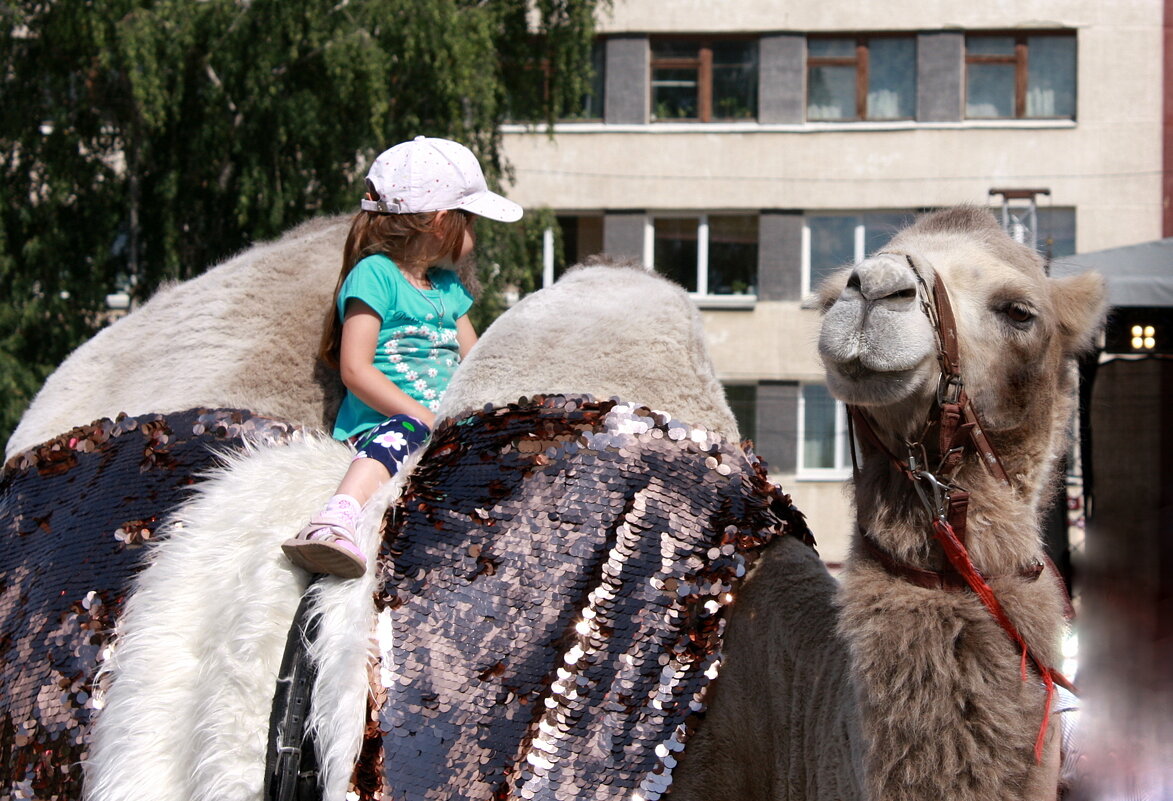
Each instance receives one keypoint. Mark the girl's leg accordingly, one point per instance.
(327, 544)
(363, 477)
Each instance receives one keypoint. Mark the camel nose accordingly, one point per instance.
(883, 278)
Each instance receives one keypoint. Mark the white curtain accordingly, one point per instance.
(884, 104)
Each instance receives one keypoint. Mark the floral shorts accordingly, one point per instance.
(392, 441)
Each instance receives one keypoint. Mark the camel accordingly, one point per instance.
(183, 709)
(879, 689)
(920, 693)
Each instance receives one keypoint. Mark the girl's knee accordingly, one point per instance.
(391, 442)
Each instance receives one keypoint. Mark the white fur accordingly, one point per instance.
(200, 641)
(344, 648)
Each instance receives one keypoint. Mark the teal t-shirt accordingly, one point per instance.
(417, 347)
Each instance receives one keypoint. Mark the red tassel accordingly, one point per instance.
(958, 557)
(1050, 684)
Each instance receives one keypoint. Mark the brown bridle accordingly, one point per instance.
(959, 433)
(957, 426)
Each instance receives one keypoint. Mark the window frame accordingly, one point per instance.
(1021, 62)
(843, 444)
(702, 295)
(703, 64)
(862, 63)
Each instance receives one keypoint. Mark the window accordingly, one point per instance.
(703, 80)
(1023, 75)
(582, 236)
(836, 240)
(1056, 233)
(708, 255)
(591, 107)
(530, 88)
(824, 449)
(743, 402)
(1049, 230)
(861, 78)
(568, 243)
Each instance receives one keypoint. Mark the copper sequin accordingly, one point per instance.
(74, 513)
(553, 599)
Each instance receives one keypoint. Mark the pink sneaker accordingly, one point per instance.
(326, 545)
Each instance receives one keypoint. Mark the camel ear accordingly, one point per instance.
(1080, 309)
(828, 291)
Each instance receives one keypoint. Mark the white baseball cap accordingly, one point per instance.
(428, 174)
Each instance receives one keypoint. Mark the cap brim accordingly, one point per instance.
(493, 206)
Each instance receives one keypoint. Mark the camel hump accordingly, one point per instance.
(244, 334)
(605, 329)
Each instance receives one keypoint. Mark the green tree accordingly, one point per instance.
(145, 140)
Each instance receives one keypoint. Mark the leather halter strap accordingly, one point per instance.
(958, 423)
(948, 580)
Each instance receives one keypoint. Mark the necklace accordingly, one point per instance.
(439, 310)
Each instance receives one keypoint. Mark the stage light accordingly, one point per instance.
(1143, 331)
(1143, 337)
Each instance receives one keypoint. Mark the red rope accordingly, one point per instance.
(959, 558)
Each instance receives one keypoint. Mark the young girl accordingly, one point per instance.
(399, 328)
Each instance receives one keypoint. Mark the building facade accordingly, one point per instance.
(746, 148)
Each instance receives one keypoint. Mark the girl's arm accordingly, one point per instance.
(466, 335)
(360, 337)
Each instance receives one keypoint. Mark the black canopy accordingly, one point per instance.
(1137, 275)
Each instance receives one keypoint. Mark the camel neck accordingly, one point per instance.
(1002, 527)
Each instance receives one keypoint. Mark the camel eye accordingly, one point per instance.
(1019, 313)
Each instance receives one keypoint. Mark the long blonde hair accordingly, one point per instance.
(406, 239)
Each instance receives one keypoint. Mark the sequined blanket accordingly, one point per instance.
(550, 598)
(552, 601)
(74, 515)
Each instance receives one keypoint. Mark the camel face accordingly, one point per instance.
(1014, 325)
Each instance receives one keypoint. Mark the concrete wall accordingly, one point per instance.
(1109, 173)
(737, 16)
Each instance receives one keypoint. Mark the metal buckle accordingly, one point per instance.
(949, 389)
(935, 497)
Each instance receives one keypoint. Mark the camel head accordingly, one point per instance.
(1016, 327)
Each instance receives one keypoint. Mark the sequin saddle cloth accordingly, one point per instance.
(552, 599)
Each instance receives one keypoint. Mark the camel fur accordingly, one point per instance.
(604, 329)
(782, 722)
